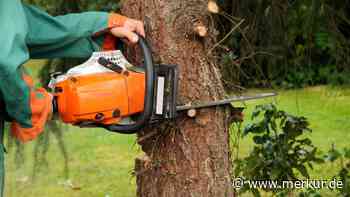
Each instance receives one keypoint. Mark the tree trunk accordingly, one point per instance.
(190, 157)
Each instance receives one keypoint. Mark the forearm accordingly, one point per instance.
(72, 35)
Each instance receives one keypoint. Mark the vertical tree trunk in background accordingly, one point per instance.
(190, 158)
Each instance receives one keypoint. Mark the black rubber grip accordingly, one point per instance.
(143, 118)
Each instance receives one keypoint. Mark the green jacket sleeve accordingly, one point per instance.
(63, 36)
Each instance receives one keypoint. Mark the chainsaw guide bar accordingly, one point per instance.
(224, 101)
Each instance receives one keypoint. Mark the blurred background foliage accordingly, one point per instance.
(288, 43)
(56, 7)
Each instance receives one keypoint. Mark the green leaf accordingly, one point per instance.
(256, 112)
(318, 160)
(332, 155)
(275, 173)
(305, 141)
(256, 192)
(302, 169)
(252, 128)
(347, 153)
(259, 139)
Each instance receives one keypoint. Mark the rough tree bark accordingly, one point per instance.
(191, 157)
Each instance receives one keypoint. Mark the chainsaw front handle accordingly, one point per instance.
(145, 116)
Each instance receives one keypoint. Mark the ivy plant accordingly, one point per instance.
(281, 149)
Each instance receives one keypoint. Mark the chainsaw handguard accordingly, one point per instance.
(145, 116)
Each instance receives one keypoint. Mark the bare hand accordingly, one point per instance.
(129, 30)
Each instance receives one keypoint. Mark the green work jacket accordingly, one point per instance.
(28, 32)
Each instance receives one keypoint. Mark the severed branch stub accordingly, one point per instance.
(191, 113)
(200, 29)
(213, 7)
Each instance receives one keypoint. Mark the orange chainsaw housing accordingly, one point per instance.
(101, 98)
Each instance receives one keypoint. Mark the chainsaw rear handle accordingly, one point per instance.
(145, 116)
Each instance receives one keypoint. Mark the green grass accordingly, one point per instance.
(101, 163)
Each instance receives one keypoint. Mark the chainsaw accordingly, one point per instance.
(112, 94)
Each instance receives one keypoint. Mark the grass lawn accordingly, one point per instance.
(101, 163)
